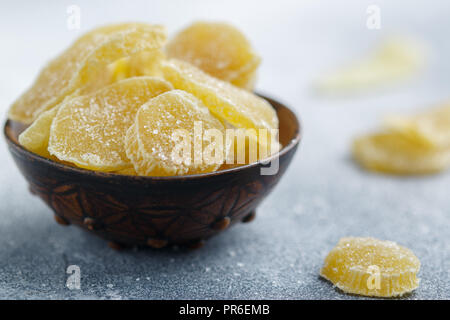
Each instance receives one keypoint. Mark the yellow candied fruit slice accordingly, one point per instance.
(83, 65)
(371, 267)
(248, 146)
(218, 49)
(89, 130)
(170, 137)
(35, 137)
(127, 171)
(395, 59)
(247, 80)
(430, 128)
(392, 153)
(239, 107)
(146, 63)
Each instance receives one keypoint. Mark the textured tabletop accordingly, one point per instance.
(323, 197)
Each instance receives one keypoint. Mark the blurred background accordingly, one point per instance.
(324, 196)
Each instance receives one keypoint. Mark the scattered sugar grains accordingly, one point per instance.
(35, 137)
(218, 49)
(84, 101)
(163, 139)
(371, 267)
(240, 108)
(89, 130)
(83, 66)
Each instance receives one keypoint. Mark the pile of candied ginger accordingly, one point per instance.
(122, 100)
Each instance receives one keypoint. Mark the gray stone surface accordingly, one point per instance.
(323, 197)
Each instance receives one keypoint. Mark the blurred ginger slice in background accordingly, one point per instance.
(417, 144)
(393, 153)
(430, 128)
(218, 49)
(395, 59)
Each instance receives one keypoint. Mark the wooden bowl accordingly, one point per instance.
(153, 211)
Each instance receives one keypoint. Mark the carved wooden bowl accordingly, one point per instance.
(153, 211)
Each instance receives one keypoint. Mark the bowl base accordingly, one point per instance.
(159, 244)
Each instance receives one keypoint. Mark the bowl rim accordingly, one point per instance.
(111, 175)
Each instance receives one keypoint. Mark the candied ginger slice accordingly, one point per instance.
(392, 153)
(82, 66)
(239, 107)
(35, 137)
(395, 59)
(146, 63)
(218, 49)
(89, 130)
(162, 141)
(127, 171)
(371, 267)
(430, 128)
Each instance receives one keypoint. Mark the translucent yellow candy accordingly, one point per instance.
(248, 148)
(35, 137)
(169, 137)
(127, 171)
(89, 130)
(395, 59)
(371, 267)
(84, 65)
(143, 64)
(431, 128)
(240, 108)
(392, 153)
(219, 49)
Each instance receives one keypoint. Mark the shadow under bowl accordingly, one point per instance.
(153, 211)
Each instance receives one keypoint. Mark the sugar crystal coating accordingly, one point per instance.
(35, 137)
(83, 66)
(371, 267)
(161, 124)
(89, 130)
(83, 102)
(218, 49)
(239, 107)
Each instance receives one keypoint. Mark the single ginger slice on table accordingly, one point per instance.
(371, 267)
(430, 128)
(89, 130)
(84, 66)
(393, 153)
(218, 49)
(175, 134)
(238, 107)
